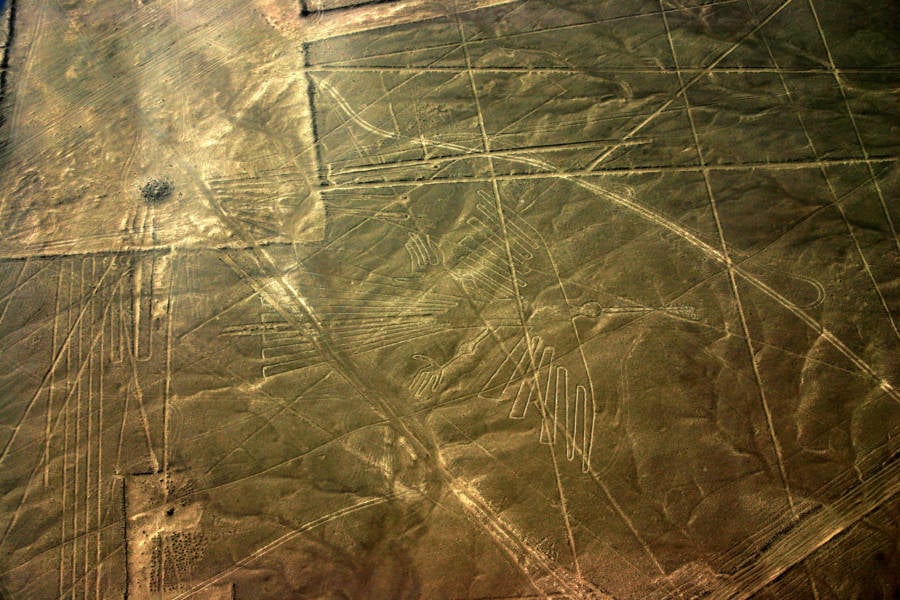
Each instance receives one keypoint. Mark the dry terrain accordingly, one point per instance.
(453, 299)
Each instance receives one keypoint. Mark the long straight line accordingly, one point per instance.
(167, 391)
(813, 533)
(835, 202)
(732, 279)
(67, 350)
(48, 434)
(79, 390)
(126, 580)
(516, 287)
(590, 69)
(580, 173)
(137, 280)
(862, 146)
(64, 411)
(683, 87)
(20, 282)
(142, 412)
(366, 17)
(518, 34)
(91, 363)
(470, 154)
(99, 513)
(63, 351)
(16, 287)
(806, 566)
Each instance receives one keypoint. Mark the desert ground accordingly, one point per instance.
(452, 299)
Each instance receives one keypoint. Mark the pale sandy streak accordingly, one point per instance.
(56, 361)
(812, 533)
(340, 22)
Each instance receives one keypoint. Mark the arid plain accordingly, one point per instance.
(484, 299)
